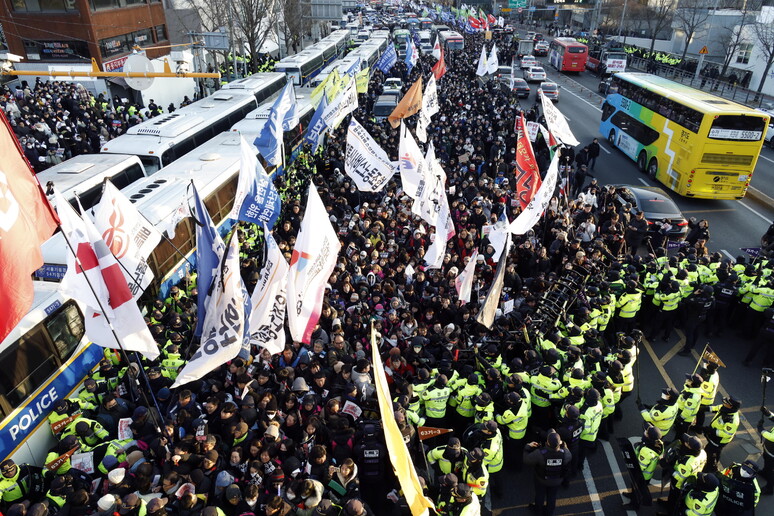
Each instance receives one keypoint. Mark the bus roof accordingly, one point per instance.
(80, 172)
(45, 299)
(684, 94)
(253, 123)
(296, 59)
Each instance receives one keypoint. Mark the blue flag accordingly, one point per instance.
(256, 199)
(752, 251)
(317, 126)
(282, 116)
(354, 68)
(209, 253)
(387, 60)
(411, 54)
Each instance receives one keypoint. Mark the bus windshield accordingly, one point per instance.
(737, 127)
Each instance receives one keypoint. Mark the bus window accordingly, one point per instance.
(89, 198)
(151, 163)
(27, 364)
(66, 329)
(127, 177)
(737, 127)
(634, 128)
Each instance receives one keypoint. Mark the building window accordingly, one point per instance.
(743, 55)
(44, 5)
(124, 43)
(56, 50)
(161, 32)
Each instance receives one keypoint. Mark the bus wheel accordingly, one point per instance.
(611, 137)
(642, 161)
(653, 168)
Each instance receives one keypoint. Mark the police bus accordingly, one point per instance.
(161, 140)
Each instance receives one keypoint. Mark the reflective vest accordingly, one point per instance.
(27, 481)
(648, 460)
(445, 465)
(483, 412)
(701, 503)
(629, 304)
(98, 435)
(477, 480)
(591, 418)
(435, 400)
(688, 466)
(661, 416)
(688, 406)
(669, 302)
(542, 389)
(608, 402)
(465, 397)
(725, 427)
(515, 421)
(709, 389)
(762, 298)
(493, 452)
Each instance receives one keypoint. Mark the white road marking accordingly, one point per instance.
(617, 475)
(641, 180)
(596, 503)
(761, 215)
(728, 254)
(767, 159)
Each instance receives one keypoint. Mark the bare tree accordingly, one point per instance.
(254, 20)
(732, 37)
(658, 18)
(689, 16)
(297, 21)
(764, 33)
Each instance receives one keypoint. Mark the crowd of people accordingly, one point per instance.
(300, 432)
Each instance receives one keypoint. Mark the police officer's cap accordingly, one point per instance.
(572, 412)
(491, 426)
(652, 433)
(82, 428)
(547, 370)
(733, 402)
(472, 378)
(483, 399)
(476, 455)
(454, 442)
(616, 365)
(592, 395)
(441, 381)
(513, 398)
(577, 374)
(449, 480)
(691, 442)
(461, 491)
(599, 377)
(423, 374)
(694, 379)
(553, 439)
(708, 481)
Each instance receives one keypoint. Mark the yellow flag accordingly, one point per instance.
(362, 80)
(410, 104)
(398, 452)
(316, 96)
(333, 85)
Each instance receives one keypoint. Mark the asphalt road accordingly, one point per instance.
(733, 225)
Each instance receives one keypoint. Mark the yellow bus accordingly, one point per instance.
(697, 144)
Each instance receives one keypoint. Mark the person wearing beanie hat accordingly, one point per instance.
(551, 463)
(108, 504)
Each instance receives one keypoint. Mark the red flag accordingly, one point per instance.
(492, 20)
(439, 68)
(475, 23)
(484, 23)
(26, 221)
(526, 172)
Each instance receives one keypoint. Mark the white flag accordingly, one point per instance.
(431, 190)
(557, 124)
(531, 214)
(181, 212)
(344, 104)
(412, 163)
(105, 277)
(365, 161)
(437, 49)
(224, 326)
(429, 108)
(493, 63)
(314, 257)
(500, 21)
(482, 66)
(129, 235)
(497, 237)
(437, 250)
(464, 281)
(269, 300)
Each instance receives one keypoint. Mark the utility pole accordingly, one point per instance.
(595, 17)
(620, 24)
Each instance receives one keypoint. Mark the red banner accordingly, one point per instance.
(526, 172)
(439, 68)
(26, 221)
(475, 23)
(426, 432)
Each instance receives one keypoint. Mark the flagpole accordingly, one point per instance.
(113, 330)
(701, 357)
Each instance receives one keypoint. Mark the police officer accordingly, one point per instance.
(688, 403)
(740, 492)
(371, 455)
(515, 418)
(476, 475)
(709, 389)
(436, 399)
(570, 428)
(768, 453)
(19, 482)
(696, 308)
(447, 458)
(702, 496)
(649, 452)
(551, 463)
(544, 387)
(721, 430)
(684, 458)
(591, 416)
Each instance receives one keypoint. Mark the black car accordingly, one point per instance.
(520, 88)
(657, 206)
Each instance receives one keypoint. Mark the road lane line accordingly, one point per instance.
(761, 215)
(604, 149)
(617, 475)
(730, 256)
(657, 363)
(596, 502)
(672, 352)
(767, 159)
(641, 180)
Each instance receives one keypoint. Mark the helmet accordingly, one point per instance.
(708, 481)
(483, 399)
(490, 426)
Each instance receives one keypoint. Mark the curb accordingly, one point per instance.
(756, 195)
